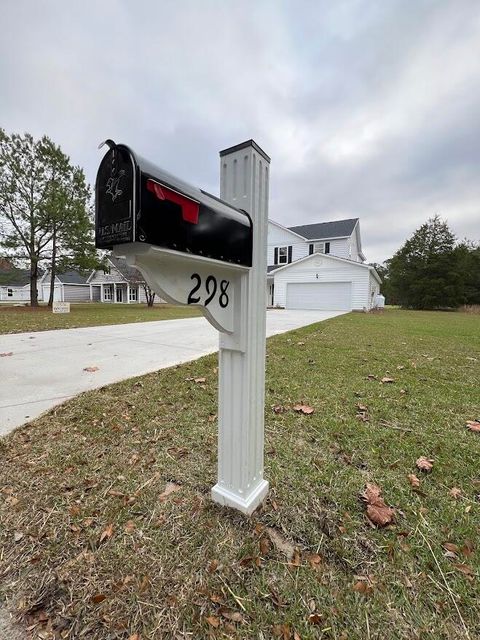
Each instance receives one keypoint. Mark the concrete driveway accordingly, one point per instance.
(48, 367)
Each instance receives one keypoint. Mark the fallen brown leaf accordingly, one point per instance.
(372, 493)
(278, 408)
(6, 355)
(99, 597)
(464, 568)
(380, 515)
(414, 481)
(170, 487)
(315, 618)
(473, 425)
(377, 511)
(129, 527)
(106, 534)
(264, 545)
(303, 408)
(216, 598)
(296, 560)
(467, 548)
(455, 492)
(178, 452)
(199, 380)
(233, 616)
(144, 584)
(424, 464)
(115, 493)
(315, 561)
(282, 631)
(362, 587)
(90, 369)
(213, 621)
(387, 380)
(212, 567)
(449, 546)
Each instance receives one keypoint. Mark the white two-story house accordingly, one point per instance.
(319, 266)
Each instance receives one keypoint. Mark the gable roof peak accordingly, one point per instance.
(130, 274)
(332, 229)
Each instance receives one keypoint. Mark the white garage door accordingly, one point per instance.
(57, 294)
(335, 296)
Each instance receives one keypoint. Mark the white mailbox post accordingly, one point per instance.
(244, 171)
(193, 248)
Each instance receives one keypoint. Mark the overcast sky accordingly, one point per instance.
(368, 108)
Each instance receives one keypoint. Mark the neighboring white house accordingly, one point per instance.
(320, 266)
(118, 284)
(70, 286)
(15, 283)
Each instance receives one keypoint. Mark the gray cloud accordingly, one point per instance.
(367, 109)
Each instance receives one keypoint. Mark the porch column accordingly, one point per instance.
(114, 292)
(102, 299)
(128, 293)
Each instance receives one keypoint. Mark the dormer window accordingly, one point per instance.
(319, 247)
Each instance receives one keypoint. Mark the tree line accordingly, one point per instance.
(432, 270)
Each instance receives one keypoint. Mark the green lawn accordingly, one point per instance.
(15, 319)
(93, 545)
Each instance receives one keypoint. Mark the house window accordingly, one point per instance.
(10, 293)
(108, 294)
(282, 255)
(319, 247)
(133, 295)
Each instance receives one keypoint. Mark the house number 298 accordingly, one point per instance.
(211, 288)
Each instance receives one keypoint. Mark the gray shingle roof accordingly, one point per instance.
(131, 274)
(72, 277)
(320, 230)
(272, 267)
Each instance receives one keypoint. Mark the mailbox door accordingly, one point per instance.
(115, 199)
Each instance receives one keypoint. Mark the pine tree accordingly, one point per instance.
(426, 273)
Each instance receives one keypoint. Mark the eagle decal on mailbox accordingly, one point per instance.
(113, 184)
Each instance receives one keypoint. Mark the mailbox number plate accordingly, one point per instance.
(211, 288)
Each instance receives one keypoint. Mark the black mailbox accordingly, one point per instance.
(138, 202)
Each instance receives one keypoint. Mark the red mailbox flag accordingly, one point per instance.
(189, 207)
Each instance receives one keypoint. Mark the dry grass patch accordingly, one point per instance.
(108, 530)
